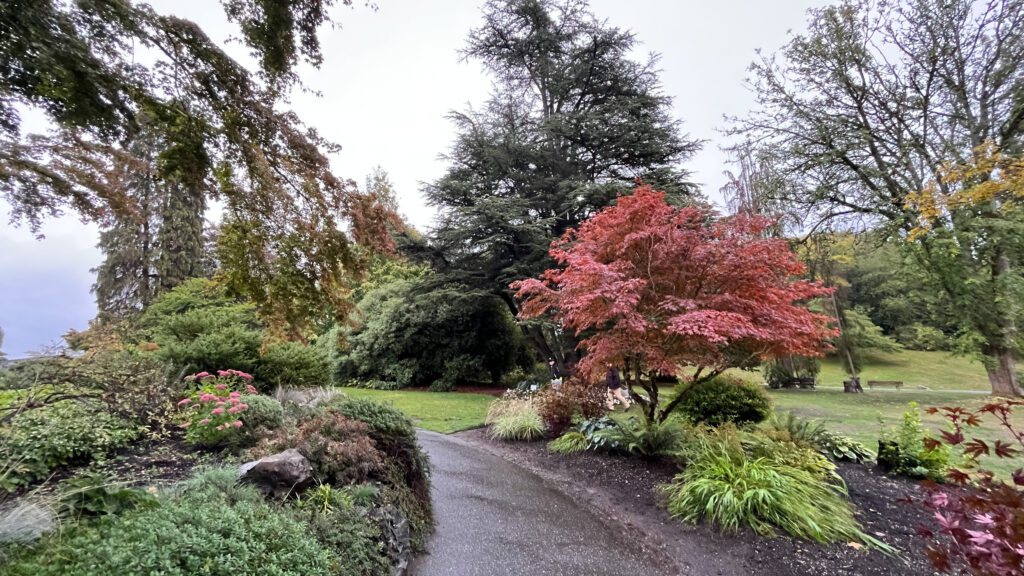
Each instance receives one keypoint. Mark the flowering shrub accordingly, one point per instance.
(981, 517)
(214, 410)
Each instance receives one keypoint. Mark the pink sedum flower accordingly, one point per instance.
(243, 406)
(221, 427)
(217, 411)
(221, 386)
(223, 373)
(185, 401)
(234, 394)
(237, 423)
(233, 409)
(186, 424)
(202, 375)
(204, 421)
(251, 389)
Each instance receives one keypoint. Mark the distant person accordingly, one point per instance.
(556, 377)
(614, 384)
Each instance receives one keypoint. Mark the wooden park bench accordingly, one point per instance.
(882, 383)
(794, 383)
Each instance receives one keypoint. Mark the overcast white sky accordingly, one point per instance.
(388, 79)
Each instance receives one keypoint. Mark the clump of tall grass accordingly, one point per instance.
(514, 419)
(724, 486)
(571, 442)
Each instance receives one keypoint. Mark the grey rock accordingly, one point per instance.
(25, 521)
(279, 475)
(394, 530)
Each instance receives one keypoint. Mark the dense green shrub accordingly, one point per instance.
(340, 449)
(385, 421)
(199, 328)
(264, 412)
(724, 486)
(903, 451)
(725, 399)
(211, 526)
(339, 523)
(408, 468)
(419, 333)
(40, 440)
(292, 364)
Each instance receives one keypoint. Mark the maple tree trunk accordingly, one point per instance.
(1003, 376)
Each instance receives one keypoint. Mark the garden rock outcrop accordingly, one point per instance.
(280, 474)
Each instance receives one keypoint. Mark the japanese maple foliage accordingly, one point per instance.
(652, 287)
(980, 517)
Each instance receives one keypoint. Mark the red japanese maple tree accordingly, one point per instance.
(651, 287)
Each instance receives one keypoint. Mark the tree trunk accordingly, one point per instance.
(1003, 376)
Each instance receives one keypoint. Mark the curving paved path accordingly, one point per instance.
(495, 518)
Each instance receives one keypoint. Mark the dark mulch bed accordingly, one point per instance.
(159, 461)
(623, 490)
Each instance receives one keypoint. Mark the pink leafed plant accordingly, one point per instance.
(979, 517)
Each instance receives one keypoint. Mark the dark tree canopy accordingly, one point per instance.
(223, 134)
(865, 110)
(572, 121)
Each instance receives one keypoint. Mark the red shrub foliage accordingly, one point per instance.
(340, 450)
(575, 396)
(981, 518)
(653, 287)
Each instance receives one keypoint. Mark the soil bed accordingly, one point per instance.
(623, 490)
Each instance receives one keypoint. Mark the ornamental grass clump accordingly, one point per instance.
(724, 486)
(571, 442)
(213, 412)
(515, 419)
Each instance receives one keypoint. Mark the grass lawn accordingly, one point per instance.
(935, 370)
(443, 412)
(856, 415)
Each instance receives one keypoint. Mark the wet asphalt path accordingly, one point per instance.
(495, 518)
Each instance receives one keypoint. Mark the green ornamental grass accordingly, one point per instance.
(571, 442)
(723, 486)
(518, 420)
